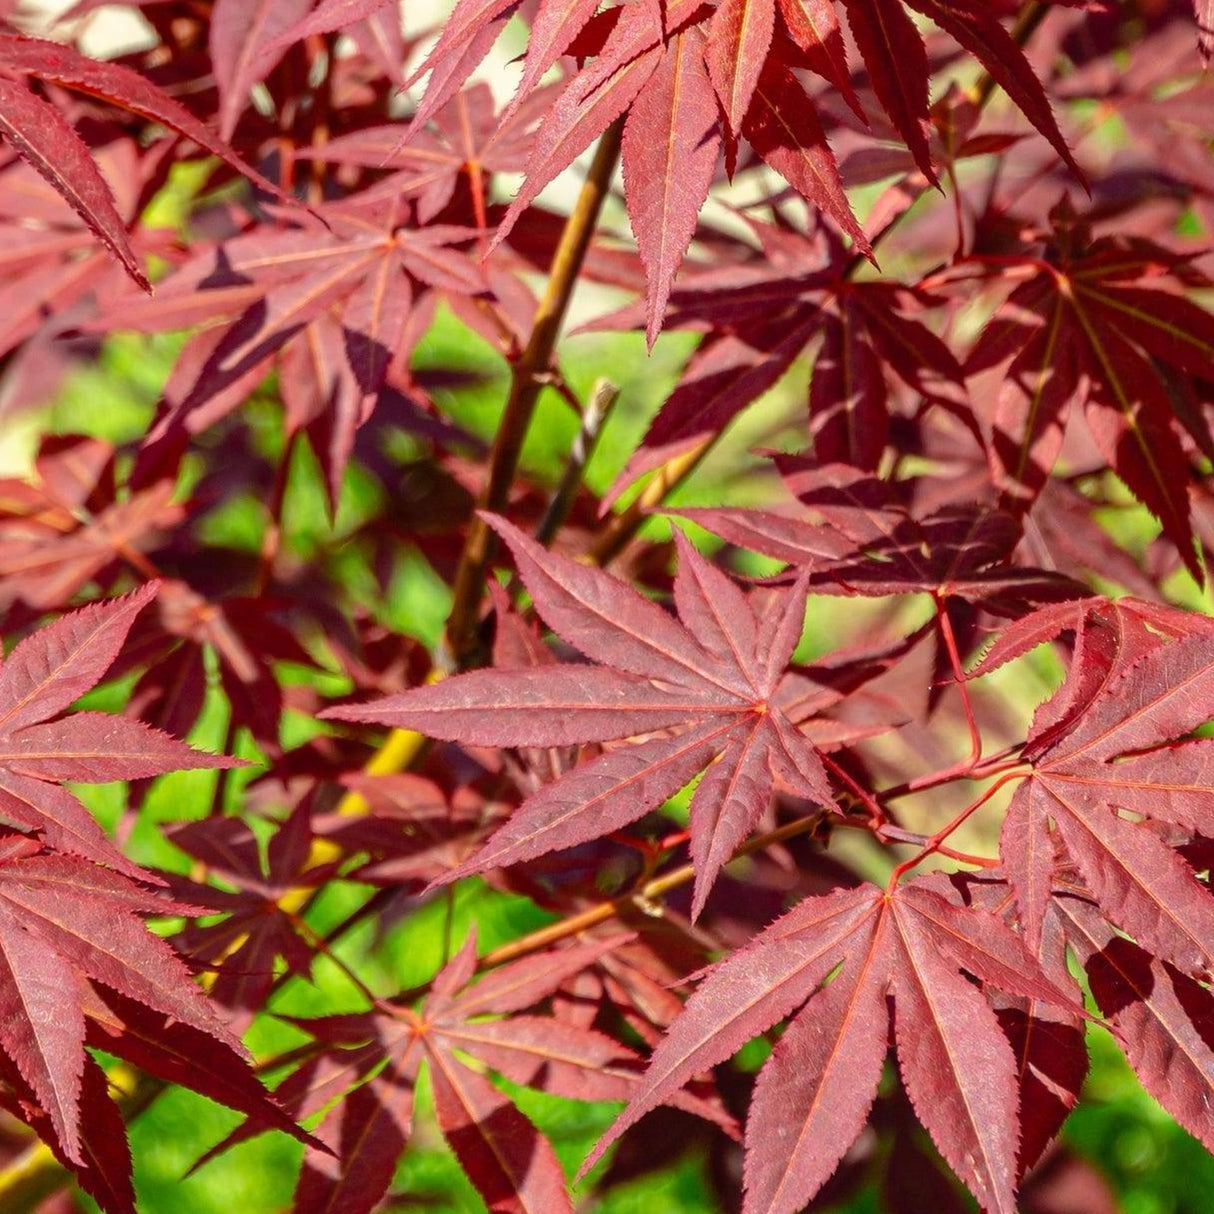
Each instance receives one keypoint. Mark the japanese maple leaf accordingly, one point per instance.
(67, 526)
(1164, 1020)
(412, 833)
(255, 930)
(53, 269)
(179, 1052)
(637, 980)
(466, 138)
(1122, 628)
(40, 748)
(815, 1091)
(953, 138)
(244, 40)
(60, 917)
(508, 1160)
(1204, 13)
(104, 1168)
(869, 543)
(713, 684)
(45, 140)
(42, 136)
(1105, 326)
(1102, 748)
(670, 69)
(246, 633)
(66, 923)
(349, 298)
(247, 40)
(762, 315)
(373, 25)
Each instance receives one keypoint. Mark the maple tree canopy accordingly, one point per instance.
(695, 680)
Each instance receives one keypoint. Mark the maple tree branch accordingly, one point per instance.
(525, 387)
(993, 765)
(866, 798)
(598, 408)
(623, 526)
(644, 897)
(935, 842)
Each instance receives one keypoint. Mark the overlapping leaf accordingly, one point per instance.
(1105, 326)
(63, 917)
(821, 1079)
(1164, 1019)
(40, 748)
(44, 139)
(468, 138)
(246, 634)
(763, 315)
(659, 67)
(712, 685)
(340, 303)
(52, 262)
(63, 921)
(1104, 757)
(72, 527)
(869, 543)
(255, 931)
(510, 1162)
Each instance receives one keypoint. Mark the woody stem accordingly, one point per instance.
(525, 387)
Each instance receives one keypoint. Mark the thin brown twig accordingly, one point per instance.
(598, 408)
(644, 897)
(525, 387)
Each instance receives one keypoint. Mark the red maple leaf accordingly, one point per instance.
(1163, 1019)
(714, 685)
(43, 137)
(822, 1077)
(868, 542)
(67, 525)
(768, 310)
(1103, 747)
(467, 139)
(688, 76)
(371, 1061)
(41, 749)
(1105, 326)
(341, 300)
(64, 919)
(256, 930)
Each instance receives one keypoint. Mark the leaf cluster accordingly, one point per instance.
(886, 747)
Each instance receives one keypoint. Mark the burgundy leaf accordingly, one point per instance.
(245, 45)
(670, 145)
(739, 36)
(781, 127)
(724, 703)
(509, 1161)
(43, 138)
(955, 1061)
(1080, 781)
